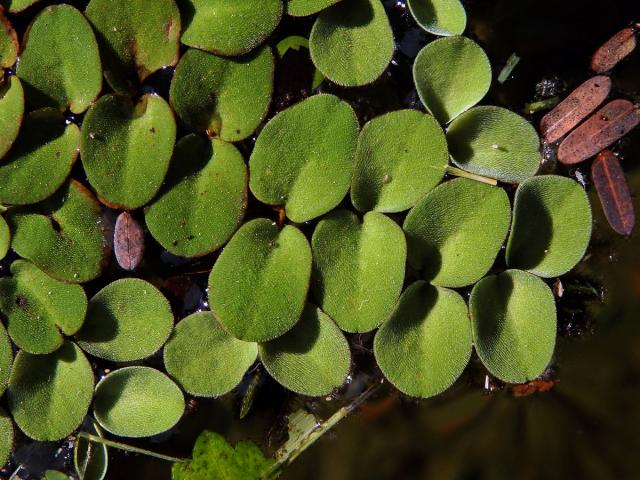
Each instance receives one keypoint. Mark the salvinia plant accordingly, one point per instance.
(369, 230)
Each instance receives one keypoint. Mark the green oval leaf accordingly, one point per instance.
(136, 38)
(228, 28)
(45, 150)
(451, 75)
(63, 235)
(40, 309)
(6, 436)
(303, 158)
(90, 459)
(351, 43)
(127, 320)
(16, 6)
(426, 343)
(49, 395)
(312, 359)
(358, 268)
(551, 226)
(9, 44)
(6, 358)
(5, 238)
(137, 402)
(304, 8)
(58, 69)
(440, 17)
(126, 148)
(11, 113)
(204, 201)
(199, 341)
(226, 97)
(392, 172)
(496, 143)
(455, 232)
(513, 315)
(258, 285)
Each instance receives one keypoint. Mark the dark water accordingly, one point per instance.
(584, 427)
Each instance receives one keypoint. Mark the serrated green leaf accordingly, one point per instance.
(303, 158)
(136, 38)
(304, 8)
(90, 459)
(6, 358)
(225, 97)
(258, 285)
(228, 28)
(214, 458)
(451, 75)
(204, 359)
(455, 232)
(5, 237)
(11, 113)
(496, 143)
(58, 69)
(351, 43)
(9, 44)
(426, 343)
(126, 148)
(39, 309)
(127, 320)
(40, 159)
(440, 17)
(393, 171)
(204, 201)
(137, 402)
(6, 436)
(513, 315)
(358, 268)
(551, 226)
(63, 235)
(313, 358)
(49, 395)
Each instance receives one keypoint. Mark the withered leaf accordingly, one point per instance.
(607, 125)
(613, 192)
(614, 50)
(128, 241)
(573, 109)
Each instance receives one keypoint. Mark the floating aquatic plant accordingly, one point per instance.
(352, 223)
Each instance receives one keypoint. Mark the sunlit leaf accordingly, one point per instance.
(9, 44)
(551, 226)
(451, 75)
(358, 268)
(303, 158)
(304, 8)
(513, 315)
(455, 232)
(312, 359)
(137, 402)
(426, 343)
(351, 43)
(11, 113)
(440, 17)
(6, 358)
(6, 436)
(5, 237)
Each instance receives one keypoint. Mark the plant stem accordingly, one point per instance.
(129, 448)
(472, 176)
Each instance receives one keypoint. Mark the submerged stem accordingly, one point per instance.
(458, 172)
(129, 448)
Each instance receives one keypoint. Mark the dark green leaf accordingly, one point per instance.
(6, 359)
(5, 237)
(304, 8)
(11, 113)
(9, 44)
(90, 459)
(6, 436)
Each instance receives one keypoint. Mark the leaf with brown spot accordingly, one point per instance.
(128, 241)
(607, 125)
(614, 50)
(613, 192)
(573, 109)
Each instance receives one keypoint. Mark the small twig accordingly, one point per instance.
(472, 176)
(129, 448)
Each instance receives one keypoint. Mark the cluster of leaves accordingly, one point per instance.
(306, 160)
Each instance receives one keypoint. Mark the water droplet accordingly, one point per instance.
(75, 275)
(386, 179)
(495, 146)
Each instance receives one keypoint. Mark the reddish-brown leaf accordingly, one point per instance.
(575, 108)
(128, 242)
(614, 50)
(604, 127)
(613, 192)
(534, 386)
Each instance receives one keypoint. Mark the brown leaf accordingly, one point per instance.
(534, 386)
(573, 109)
(603, 128)
(614, 50)
(128, 241)
(613, 192)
